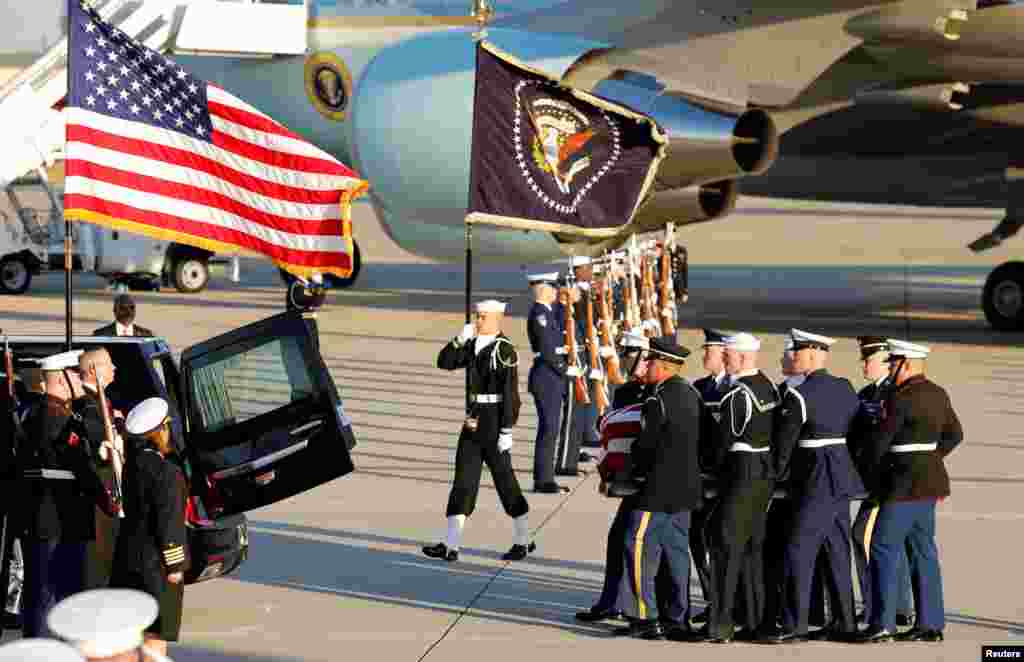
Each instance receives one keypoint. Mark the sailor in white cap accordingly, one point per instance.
(810, 452)
(151, 553)
(739, 453)
(60, 487)
(491, 363)
(547, 379)
(919, 429)
(107, 625)
(39, 650)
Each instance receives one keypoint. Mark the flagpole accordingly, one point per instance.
(67, 221)
(469, 294)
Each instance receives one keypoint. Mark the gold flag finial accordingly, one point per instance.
(482, 11)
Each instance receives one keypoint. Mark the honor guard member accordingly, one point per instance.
(39, 650)
(741, 457)
(486, 437)
(666, 467)
(150, 554)
(874, 354)
(633, 392)
(919, 429)
(810, 450)
(547, 385)
(106, 625)
(711, 388)
(579, 420)
(60, 489)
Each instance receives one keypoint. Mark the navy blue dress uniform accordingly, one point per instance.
(151, 542)
(666, 465)
(811, 451)
(711, 389)
(60, 489)
(741, 456)
(863, 429)
(579, 420)
(547, 382)
(609, 605)
(919, 429)
(491, 363)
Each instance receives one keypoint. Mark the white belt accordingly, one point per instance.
(50, 474)
(821, 443)
(911, 448)
(487, 398)
(741, 447)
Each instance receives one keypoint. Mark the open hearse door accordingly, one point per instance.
(264, 420)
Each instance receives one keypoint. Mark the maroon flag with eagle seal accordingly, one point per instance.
(548, 157)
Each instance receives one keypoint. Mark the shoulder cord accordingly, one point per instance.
(496, 354)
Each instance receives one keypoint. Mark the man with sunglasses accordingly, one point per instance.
(919, 429)
(124, 320)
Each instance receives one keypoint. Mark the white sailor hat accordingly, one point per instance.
(490, 306)
(146, 416)
(901, 349)
(743, 342)
(61, 361)
(804, 340)
(788, 344)
(546, 279)
(632, 341)
(103, 622)
(579, 261)
(39, 650)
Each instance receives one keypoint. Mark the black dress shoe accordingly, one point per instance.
(700, 618)
(832, 633)
(550, 488)
(12, 621)
(570, 474)
(649, 630)
(518, 552)
(782, 637)
(904, 620)
(596, 614)
(874, 635)
(441, 551)
(915, 634)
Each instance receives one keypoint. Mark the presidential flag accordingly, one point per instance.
(548, 157)
(154, 150)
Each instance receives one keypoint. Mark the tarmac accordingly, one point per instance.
(337, 573)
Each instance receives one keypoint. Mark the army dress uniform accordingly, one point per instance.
(863, 428)
(152, 541)
(811, 450)
(918, 431)
(547, 382)
(666, 464)
(59, 492)
(741, 457)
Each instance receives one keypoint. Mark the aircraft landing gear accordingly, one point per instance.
(1003, 297)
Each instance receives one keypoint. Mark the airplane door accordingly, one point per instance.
(263, 417)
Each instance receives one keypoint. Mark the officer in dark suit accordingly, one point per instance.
(874, 356)
(124, 320)
(810, 449)
(486, 435)
(665, 464)
(740, 454)
(59, 488)
(633, 392)
(711, 388)
(547, 380)
(919, 429)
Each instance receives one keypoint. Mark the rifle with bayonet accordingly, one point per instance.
(572, 357)
(112, 439)
(611, 357)
(593, 348)
(666, 295)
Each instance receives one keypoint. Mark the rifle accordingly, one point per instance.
(611, 361)
(601, 391)
(666, 295)
(115, 452)
(572, 359)
(650, 322)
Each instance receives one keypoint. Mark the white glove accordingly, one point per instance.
(504, 442)
(468, 332)
(596, 374)
(573, 371)
(562, 350)
(606, 352)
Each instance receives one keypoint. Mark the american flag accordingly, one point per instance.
(152, 149)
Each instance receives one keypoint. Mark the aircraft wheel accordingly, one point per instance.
(191, 274)
(1003, 297)
(15, 275)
